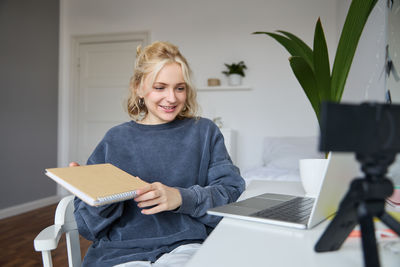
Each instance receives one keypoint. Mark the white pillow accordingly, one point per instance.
(285, 152)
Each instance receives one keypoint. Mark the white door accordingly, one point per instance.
(104, 72)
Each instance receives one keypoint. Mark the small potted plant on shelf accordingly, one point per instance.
(235, 73)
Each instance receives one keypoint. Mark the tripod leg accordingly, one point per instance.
(370, 251)
(391, 222)
(337, 231)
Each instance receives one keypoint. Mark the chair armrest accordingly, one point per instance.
(48, 238)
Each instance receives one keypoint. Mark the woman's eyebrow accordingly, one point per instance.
(161, 83)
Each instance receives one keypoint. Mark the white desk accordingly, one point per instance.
(242, 243)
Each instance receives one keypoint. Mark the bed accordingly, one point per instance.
(280, 158)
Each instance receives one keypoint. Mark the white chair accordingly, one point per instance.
(64, 222)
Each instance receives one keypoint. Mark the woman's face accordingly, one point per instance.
(166, 97)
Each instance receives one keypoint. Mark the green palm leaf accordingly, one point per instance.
(285, 42)
(306, 51)
(293, 45)
(321, 64)
(306, 78)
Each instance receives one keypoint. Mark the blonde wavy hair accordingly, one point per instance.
(149, 61)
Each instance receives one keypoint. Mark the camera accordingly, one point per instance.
(367, 128)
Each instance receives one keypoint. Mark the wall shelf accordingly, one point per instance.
(224, 88)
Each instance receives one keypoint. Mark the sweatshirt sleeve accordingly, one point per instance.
(224, 185)
(94, 222)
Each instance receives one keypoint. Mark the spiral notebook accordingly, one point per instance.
(97, 184)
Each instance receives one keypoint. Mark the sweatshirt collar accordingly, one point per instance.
(169, 125)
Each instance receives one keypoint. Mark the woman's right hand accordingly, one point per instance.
(73, 164)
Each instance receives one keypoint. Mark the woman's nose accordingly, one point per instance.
(171, 97)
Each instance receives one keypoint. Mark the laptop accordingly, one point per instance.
(300, 212)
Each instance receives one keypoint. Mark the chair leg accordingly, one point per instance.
(46, 257)
(74, 249)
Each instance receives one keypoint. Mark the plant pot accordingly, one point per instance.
(312, 171)
(234, 80)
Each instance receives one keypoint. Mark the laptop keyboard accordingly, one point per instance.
(296, 210)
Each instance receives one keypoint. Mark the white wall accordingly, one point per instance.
(209, 34)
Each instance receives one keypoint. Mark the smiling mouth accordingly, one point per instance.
(168, 108)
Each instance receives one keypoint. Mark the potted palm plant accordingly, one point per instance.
(312, 69)
(311, 66)
(235, 73)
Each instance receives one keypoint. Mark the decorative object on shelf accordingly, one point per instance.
(235, 73)
(213, 82)
(218, 122)
(312, 68)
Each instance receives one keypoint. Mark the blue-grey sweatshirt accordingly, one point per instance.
(188, 154)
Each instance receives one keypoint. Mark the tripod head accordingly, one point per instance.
(375, 166)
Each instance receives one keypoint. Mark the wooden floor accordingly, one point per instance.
(16, 239)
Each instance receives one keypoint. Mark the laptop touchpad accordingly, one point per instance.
(257, 203)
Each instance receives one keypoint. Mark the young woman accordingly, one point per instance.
(182, 156)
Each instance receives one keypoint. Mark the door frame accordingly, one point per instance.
(69, 90)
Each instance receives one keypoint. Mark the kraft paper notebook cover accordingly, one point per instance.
(97, 184)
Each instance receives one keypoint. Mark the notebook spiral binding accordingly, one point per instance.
(117, 197)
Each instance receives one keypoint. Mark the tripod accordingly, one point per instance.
(364, 200)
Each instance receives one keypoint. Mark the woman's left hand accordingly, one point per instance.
(160, 196)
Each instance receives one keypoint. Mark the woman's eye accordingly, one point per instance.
(158, 88)
(181, 88)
